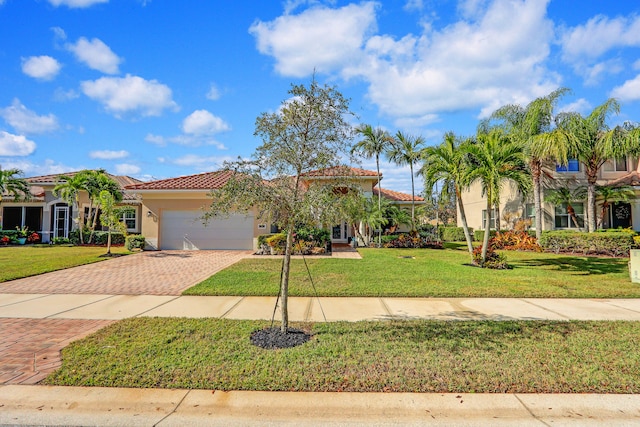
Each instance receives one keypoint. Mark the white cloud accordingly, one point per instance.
(202, 122)
(319, 38)
(130, 94)
(214, 93)
(27, 121)
(599, 35)
(15, 145)
(41, 67)
(628, 91)
(202, 163)
(76, 4)
(581, 106)
(96, 55)
(156, 139)
(108, 154)
(62, 95)
(127, 169)
(495, 56)
(49, 167)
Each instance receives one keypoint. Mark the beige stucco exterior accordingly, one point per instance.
(513, 205)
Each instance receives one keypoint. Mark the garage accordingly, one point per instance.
(183, 230)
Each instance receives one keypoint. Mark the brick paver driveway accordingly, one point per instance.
(145, 273)
(30, 348)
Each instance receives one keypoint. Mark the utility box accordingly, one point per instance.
(634, 265)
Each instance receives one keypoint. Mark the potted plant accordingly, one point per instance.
(23, 233)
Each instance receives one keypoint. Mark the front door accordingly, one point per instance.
(61, 222)
(620, 215)
(339, 233)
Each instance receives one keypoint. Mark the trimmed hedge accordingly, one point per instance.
(134, 241)
(616, 243)
(454, 234)
(99, 237)
(478, 235)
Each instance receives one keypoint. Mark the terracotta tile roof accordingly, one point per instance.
(342, 171)
(202, 181)
(396, 196)
(122, 181)
(632, 179)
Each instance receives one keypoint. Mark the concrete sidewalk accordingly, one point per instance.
(115, 307)
(79, 406)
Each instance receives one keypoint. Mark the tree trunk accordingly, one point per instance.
(463, 219)
(536, 170)
(379, 199)
(591, 206)
(497, 218)
(284, 285)
(413, 201)
(487, 229)
(109, 241)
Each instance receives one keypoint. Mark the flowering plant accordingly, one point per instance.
(33, 237)
(22, 231)
(5, 240)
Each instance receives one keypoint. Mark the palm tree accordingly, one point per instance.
(529, 126)
(592, 142)
(69, 188)
(12, 184)
(447, 163)
(496, 159)
(405, 150)
(98, 181)
(374, 143)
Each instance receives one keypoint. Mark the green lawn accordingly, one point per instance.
(29, 260)
(430, 273)
(397, 356)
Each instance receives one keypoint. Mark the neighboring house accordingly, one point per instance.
(172, 210)
(51, 216)
(512, 205)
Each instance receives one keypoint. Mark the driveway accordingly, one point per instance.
(30, 348)
(145, 273)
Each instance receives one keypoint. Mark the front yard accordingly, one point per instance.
(430, 273)
(23, 261)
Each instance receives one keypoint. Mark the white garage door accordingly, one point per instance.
(184, 230)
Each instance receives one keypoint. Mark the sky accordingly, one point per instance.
(158, 89)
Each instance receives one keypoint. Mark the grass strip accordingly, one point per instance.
(430, 273)
(389, 356)
(24, 261)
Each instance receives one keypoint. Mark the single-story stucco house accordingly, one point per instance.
(168, 211)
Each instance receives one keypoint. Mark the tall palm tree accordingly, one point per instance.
(98, 181)
(374, 143)
(529, 126)
(12, 184)
(405, 150)
(593, 142)
(68, 188)
(495, 159)
(447, 163)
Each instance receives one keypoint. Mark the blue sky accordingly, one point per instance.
(156, 89)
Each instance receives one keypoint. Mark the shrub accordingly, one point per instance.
(319, 237)
(407, 241)
(60, 241)
(515, 241)
(134, 241)
(478, 235)
(278, 242)
(606, 242)
(100, 238)
(454, 234)
(493, 260)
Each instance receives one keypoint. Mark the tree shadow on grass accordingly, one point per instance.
(579, 265)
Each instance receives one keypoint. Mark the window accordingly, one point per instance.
(615, 165)
(572, 166)
(563, 218)
(530, 213)
(22, 216)
(492, 219)
(129, 218)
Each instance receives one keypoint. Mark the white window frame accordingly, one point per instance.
(616, 165)
(570, 224)
(124, 219)
(492, 219)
